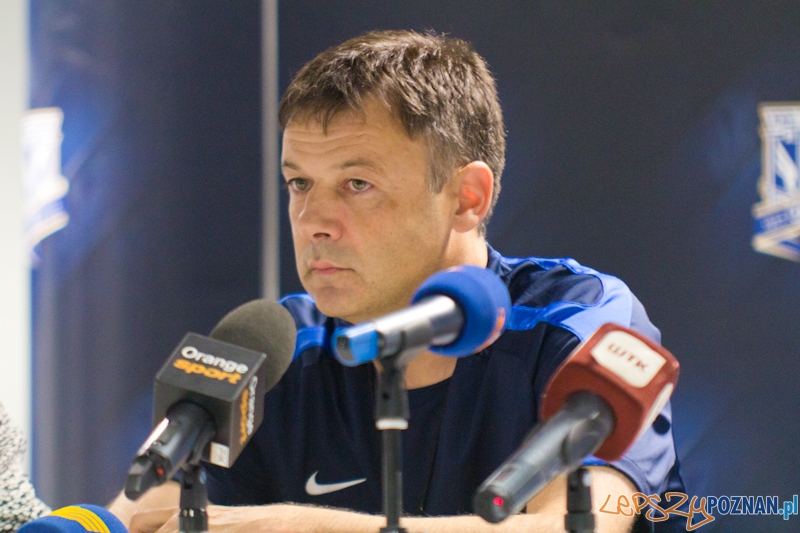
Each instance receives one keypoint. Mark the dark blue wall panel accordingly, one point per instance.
(161, 148)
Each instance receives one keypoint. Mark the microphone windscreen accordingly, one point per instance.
(483, 299)
(76, 519)
(262, 326)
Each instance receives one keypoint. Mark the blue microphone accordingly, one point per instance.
(455, 312)
(76, 519)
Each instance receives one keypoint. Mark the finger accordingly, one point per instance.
(151, 520)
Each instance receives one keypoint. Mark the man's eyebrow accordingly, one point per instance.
(289, 164)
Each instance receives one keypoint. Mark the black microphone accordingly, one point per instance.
(209, 394)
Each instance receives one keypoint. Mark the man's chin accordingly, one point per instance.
(337, 303)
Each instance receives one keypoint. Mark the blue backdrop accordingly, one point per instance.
(632, 146)
(162, 150)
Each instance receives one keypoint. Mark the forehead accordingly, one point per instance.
(374, 134)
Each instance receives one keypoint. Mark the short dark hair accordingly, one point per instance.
(437, 86)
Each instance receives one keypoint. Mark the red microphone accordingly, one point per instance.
(634, 375)
(599, 401)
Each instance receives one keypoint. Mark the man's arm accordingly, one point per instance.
(545, 514)
(166, 496)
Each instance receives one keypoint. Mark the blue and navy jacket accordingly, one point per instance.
(319, 419)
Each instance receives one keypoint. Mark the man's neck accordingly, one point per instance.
(466, 249)
(428, 369)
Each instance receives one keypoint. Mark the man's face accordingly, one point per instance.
(367, 230)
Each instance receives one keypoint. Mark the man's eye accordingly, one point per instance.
(359, 185)
(297, 184)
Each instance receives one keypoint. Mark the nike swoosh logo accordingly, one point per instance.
(316, 489)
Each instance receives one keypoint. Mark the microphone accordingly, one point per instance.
(76, 519)
(455, 312)
(600, 401)
(209, 394)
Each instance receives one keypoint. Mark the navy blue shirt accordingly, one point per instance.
(319, 427)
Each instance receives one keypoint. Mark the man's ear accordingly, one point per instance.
(475, 182)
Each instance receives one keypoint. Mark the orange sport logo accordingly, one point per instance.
(209, 372)
(248, 411)
(211, 366)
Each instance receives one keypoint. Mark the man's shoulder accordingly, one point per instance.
(560, 292)
(566, 294)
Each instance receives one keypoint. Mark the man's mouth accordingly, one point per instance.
(324, 268)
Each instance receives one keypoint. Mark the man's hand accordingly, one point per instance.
(276, 518)
(161, 497)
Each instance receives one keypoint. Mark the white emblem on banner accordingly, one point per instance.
(44, 187)
(777, 216)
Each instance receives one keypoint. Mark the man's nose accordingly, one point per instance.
(319, 216)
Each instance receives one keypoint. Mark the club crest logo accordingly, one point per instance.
(44, 186)
(777, 216)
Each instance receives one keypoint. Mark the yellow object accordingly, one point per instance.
(86, 518)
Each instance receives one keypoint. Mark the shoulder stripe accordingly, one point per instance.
(615, 305)
(296, 295)
(309, 337)
(548, 263)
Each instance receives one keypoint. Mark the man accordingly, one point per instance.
(393, 149)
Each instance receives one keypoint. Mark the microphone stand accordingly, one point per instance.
(194, 488)
(391, 418)
(194, 495)
(579, 517)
